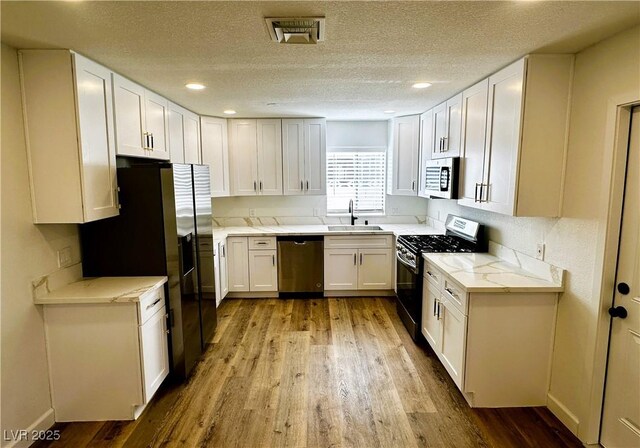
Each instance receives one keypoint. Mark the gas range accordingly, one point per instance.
(462, 236)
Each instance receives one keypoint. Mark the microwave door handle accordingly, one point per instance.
(444, 178)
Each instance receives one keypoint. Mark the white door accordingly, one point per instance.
(215, 153)
(191, 138)
(176, 133)
(243, 157)
(97, 139)
(269, 157)
(155, 352)
(451, 146)
(340, 269)
(439, 130)
(224, 282)
(375, 268)
(315, 149)
(293, 164)
(453, 340)
(238, 263)
(128, 102)
(156, 116)
(263, 271)
(474, 128)
(406, 154)
(430, 323)
(426, 149)
(621, 416)
(503, 138)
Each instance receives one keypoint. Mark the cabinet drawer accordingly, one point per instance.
(150, 304)
(433, 275)
(456, 295)
(358, 242)
(257, 242)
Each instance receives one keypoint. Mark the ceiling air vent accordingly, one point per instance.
(296, 30)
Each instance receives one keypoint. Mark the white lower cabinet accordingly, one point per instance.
(496, 346)
(223, 276)
(358, 263)
(252, 264)
(106, 359)
(207, 273)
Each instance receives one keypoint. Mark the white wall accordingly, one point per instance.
(28, 252)
(602, 72)
(313, 209)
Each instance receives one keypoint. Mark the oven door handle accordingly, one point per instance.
(413, 269)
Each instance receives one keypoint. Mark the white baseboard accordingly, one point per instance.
(42, 423)
(567, 418)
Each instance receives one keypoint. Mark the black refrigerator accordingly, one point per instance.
(165, 212)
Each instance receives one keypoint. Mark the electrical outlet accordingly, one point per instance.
(316, 212)
(252, 212)
(64, 257)
(540, 251)
(394, 211)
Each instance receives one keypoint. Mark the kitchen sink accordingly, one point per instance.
(353, 228)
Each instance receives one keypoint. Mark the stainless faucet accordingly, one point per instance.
(353, 218)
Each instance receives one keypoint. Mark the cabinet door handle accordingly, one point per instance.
(152, 145)
(445, 144)
(255, 186)
(224, 254)
(301, 185)
(438, 314)
(476, 199)
(435, 306)
(307, 185)
(360, 259)
(260, 185)
(413, 185)
(273, 260)
(355, 258)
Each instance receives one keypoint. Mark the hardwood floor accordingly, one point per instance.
(318, 373)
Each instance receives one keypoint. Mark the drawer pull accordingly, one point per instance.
(452, 294)
(154, 303)
(431, 275)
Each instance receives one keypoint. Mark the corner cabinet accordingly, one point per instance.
(215, 153)
(404, 159)
(141, 120)
(304, 156)
(184, 135)
(68, 111)
(524, 145)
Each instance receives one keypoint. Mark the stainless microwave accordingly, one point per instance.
(441, 178)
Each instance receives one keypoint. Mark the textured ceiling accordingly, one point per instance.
(373, 51)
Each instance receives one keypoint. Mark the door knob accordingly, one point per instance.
(618, 311)
(623, 288)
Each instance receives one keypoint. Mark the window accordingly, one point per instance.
(357, 175)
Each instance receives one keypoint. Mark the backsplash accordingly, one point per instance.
(300, 210)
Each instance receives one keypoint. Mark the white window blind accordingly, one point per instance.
(357, 175)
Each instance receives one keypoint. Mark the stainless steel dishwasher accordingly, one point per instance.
(301, 264)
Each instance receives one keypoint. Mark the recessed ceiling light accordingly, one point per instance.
(194, 86)
(389, 111)
(421, 85)
(229, 112)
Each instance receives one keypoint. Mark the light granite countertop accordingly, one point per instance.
(489, 273)
(102, 290)
(219, 233)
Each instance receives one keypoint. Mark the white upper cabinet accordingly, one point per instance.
(405, 156)
(141, 120)
(304, 156)
(269, 157)
(184, 135)
(447, 125)
(525, 142)
(474, 124)
(215, 153)
(426, 149)
(68, 109)
(255, 157)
